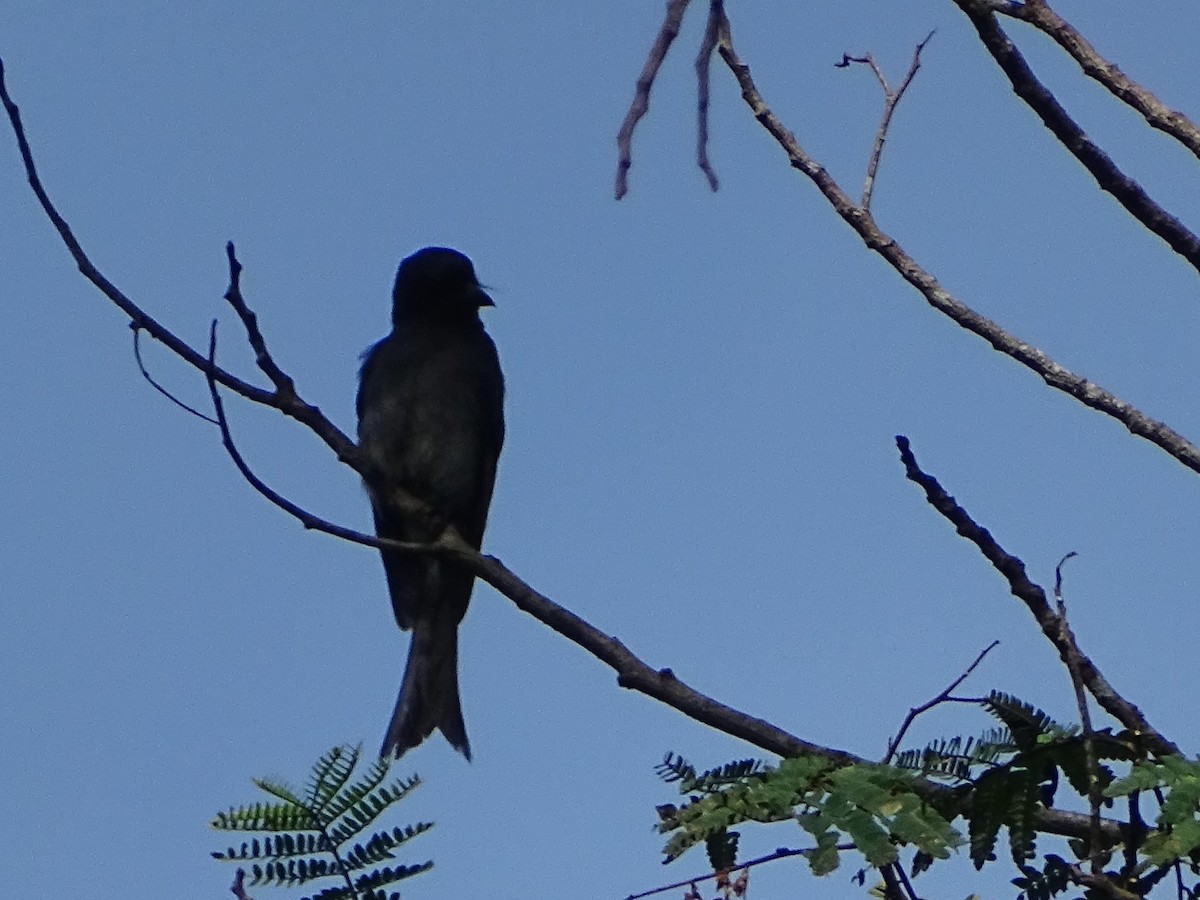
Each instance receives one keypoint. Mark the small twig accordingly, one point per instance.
(641, 97)
(1075, 669)
(285, 387)
(781, 853)
(137, 355)
(703, 68)
(943, 697)
(891, 100)
(1034, 598)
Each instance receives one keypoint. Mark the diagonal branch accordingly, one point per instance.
(1058, 377)
(1156, 113)
(1108, 175)
(1034, 598)
(139, 319)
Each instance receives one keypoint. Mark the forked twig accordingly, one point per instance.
(891, 100)
(943, 697)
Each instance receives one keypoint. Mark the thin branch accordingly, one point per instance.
(285, 387)
(286, 401)
(641, 97)
(1034, 598)
(1056, 376)
(1107, 174)
(703, 69)
(891, 100)
(137, 355)
(1156, 113)
(781, 853)
(943, 697)
(138, 317)
(1074, 661)
(306, 518)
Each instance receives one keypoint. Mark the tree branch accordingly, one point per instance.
(667, 33)
(1156, 113)
(1034, 598)
(943, 697)
(703, 69)
(1056, 376)
(891, 100)
(1107, 174)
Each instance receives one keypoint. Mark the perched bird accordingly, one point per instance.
(431, 417)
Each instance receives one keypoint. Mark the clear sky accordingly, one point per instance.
(703, 394)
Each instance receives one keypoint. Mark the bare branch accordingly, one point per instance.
(703, 68)
(1107, 174)
(781, 853)
(138, 317)
(891, 100)
(137, 355)
(943, 697)
(1034, 598)
(1058, 377)
(1075, 669)
(641, 97)
(306, 518)
(285, 387)
(1156, 113)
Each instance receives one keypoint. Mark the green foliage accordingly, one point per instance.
(1003, 779)
(873, 806)
(319, 832)
(1177, 830)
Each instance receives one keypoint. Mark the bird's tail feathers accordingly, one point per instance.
(429, 692)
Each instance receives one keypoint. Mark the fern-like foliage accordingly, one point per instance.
(1003, 780)
(874, 806)
(1176, 834)
(318, 833)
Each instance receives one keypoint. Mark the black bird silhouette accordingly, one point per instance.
(431, 416)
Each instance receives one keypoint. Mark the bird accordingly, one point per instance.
(430, 407)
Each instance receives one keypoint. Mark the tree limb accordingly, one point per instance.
(1107, 174)
(1055, 375)
(1034, 598)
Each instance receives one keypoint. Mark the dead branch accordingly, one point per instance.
(1156, 113)
(641, 97)
(1034, 598)
(1107, 174)
(891, 99)
(1055, 375)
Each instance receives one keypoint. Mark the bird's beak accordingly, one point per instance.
(484, 299)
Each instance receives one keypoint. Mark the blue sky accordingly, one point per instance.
(703, 394)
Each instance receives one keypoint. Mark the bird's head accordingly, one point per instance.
(437, 282)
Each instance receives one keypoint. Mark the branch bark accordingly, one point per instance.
(1055, 375)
